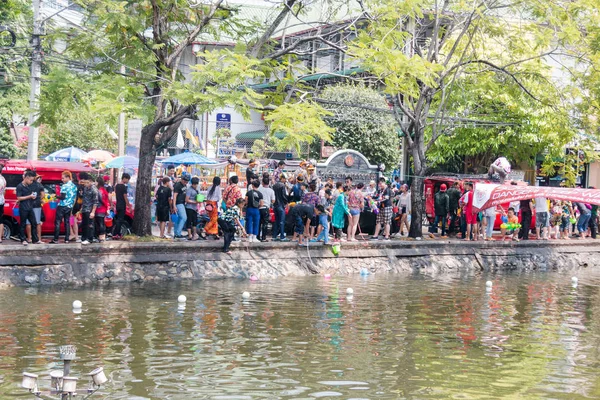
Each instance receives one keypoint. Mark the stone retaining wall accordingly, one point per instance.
(146, 262)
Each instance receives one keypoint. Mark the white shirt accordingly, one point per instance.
(541, 204)
(268, 195)
(2, 189)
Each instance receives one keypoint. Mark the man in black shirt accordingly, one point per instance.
(281, 202)
(179, 191)
(37, 188)
(26, 196)
(303, 213)
(250, 174)
(164, 204)
(454, 196)
(121, 204)
(525, 208)
(384, 217)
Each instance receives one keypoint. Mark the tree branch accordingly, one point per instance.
(266, 36)
(192, 36)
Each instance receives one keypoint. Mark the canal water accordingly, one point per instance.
(416, 337)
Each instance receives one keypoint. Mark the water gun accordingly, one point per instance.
(373, 205)
(510, 226)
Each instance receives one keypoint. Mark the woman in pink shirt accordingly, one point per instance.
(356, 203)
(101, 210)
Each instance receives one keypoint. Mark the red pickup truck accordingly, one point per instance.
(51, 172)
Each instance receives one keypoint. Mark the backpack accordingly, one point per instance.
(254, 199)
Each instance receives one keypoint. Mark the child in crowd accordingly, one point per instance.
(512, 219)
(323, 215)
(565, 223)
(555, 219)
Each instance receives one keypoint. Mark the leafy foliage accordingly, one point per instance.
(374, 133)
(7, 145)
(81, 128)
(301, 122)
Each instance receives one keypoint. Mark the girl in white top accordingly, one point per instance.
(404, 203)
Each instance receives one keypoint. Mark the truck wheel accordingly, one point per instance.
(125, 228)
(9, 229)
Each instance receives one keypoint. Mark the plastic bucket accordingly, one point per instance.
(200, 198)
(53, 205)
(174, 218)
(16, 212)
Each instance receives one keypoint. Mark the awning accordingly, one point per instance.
(488, 195)
(255, 135)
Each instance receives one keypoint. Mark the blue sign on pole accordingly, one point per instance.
(223, 121)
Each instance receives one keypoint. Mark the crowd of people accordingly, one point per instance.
(315, 210)
(554, 219)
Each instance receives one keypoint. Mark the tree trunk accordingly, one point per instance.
(417, 205)
(142, 222)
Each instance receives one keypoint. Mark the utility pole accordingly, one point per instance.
(36, 73)
(122, 126)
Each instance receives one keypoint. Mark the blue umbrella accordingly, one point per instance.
(188, 158)
(70, 154)
(123, 162)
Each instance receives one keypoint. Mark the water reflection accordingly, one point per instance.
(529, 336)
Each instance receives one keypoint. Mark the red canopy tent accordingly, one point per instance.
(490, 195)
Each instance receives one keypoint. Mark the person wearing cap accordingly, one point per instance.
(301, 171)
(442, 208)
(179, 192)
(312, 176)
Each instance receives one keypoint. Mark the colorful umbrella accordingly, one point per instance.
(188, 158)
(123, 162)
(70, 154)
(100, 156)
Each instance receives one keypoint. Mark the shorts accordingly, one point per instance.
(355, 211)
(565, 223)
(403, 210)
(299, 228)
(1, 213)
(385, 216)
(163, 214)
(38, 216)
(192, 218)
(471, 218)
(541, 219)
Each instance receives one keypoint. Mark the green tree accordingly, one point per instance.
(81, 128)
(362, 121)
(149, 38)
(7, 145)
(422, 51)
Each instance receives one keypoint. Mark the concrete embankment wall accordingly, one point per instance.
(143, 262)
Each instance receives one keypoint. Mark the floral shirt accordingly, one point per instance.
(69, 189)
(311, 198)
(231, 194)
(232, 214)
(356, 200)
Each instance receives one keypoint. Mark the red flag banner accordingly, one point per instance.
(490, 195)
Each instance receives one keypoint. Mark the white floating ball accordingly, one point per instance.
(245, 295)
(77, 304)
(574, 279)
(489, 284)
(181, 298)
(349, 291)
